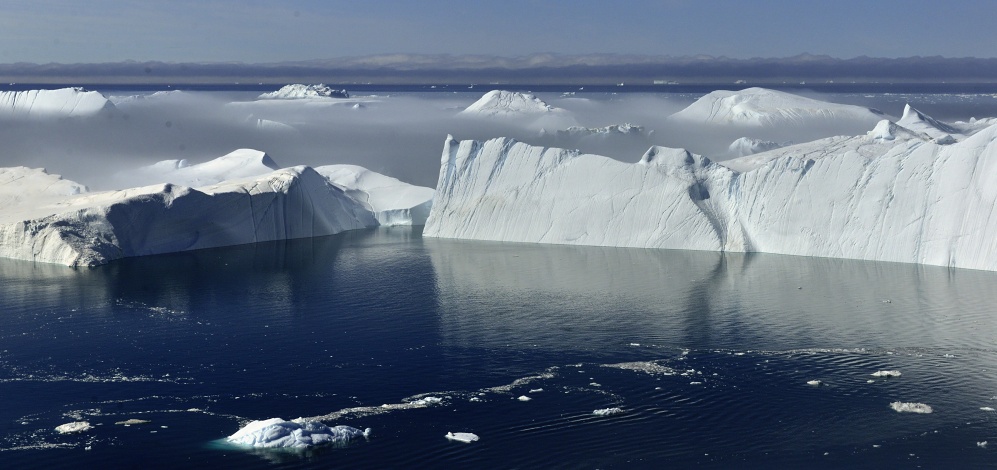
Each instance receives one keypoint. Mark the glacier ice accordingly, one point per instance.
(907, 199)
(237, 164)
(296, 434)
(392, 201)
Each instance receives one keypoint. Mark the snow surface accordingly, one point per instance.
(299, 91)
(297, 434)
(465, 437)
(392, 201)
(906, 200)
(64, 102)
(240, 163)
(747, 146)
(760, 107)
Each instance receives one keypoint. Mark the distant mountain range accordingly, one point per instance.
(537, 68)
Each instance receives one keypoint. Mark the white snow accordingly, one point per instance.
(760, 107)
(74, 427)
(886, 373)
(907, 407)
(240, 163)
(393, 202)
(299, 91)
(465, 437)
(938, 131)
(904, 200)
(297, 434)
(63, 102)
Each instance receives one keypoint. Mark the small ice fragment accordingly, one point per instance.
(907, 407)
(870, 381)
(465, 437)
(129, 422)
(981, 444)
(164, 427)
(877, 446)
(426, 401)
(695, 383)
(524, 398)
(88, 448)
(475, 399)
(887, 301)
(536, 390)
(76, 426)
(608, 411)
(987, 408)
(815, 383)
(636, 345)
(886, 373)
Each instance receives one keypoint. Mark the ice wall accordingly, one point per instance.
(906, 200)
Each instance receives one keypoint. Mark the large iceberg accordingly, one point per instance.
(905, 200)
(509, 103)
(94, 228)
(299, 91)
(761, 107)
(297, 434)
(63, 102)
(237, 164)
(393, 202)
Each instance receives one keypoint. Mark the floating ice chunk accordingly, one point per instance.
(886, 373)
(74, 427)
(277, 433)
(524, 398)
(908, 407)
(981, 444)
(608, 411)
(465, 437)
(695, 383)
(536, 390)
(129, 422)
(815, 383)
(987, 408)
(426, 401)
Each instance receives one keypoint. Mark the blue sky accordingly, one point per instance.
(66, 31)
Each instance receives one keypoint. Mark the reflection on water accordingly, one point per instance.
(707, 356)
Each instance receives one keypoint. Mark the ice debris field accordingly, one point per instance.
(911, 190)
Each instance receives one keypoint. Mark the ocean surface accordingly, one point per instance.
(703, 359)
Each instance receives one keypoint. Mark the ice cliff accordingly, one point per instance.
(64, 102)
(908, 199)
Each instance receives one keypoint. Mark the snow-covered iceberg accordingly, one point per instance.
(299, 91)
(94, 228)
(297, 434)
(905, 200)
(761, 107)
(63, 102)
(745, 146)
(509, 103)
(240, 163)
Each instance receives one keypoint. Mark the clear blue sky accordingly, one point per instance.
(269, 31)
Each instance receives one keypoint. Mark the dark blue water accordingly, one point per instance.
(707, 356)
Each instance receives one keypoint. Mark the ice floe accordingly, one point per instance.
(465, 437)
(910, 407)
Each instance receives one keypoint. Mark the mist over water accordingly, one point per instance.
(396, 133)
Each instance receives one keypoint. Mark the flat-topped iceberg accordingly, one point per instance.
(63, 102)
(240, 163)
(297, 434)
(905, 200)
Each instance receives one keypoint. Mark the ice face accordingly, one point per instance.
(905, 200)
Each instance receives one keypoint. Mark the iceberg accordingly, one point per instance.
(74, 427)
(903, 200)
(745, 146)
(296, 434)
(299, 91)
(63, 102)
(465, 437)
(94, 228)
(908, 407)
(506, 103)
(761, 107)
(938, 131)
(240, 163)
